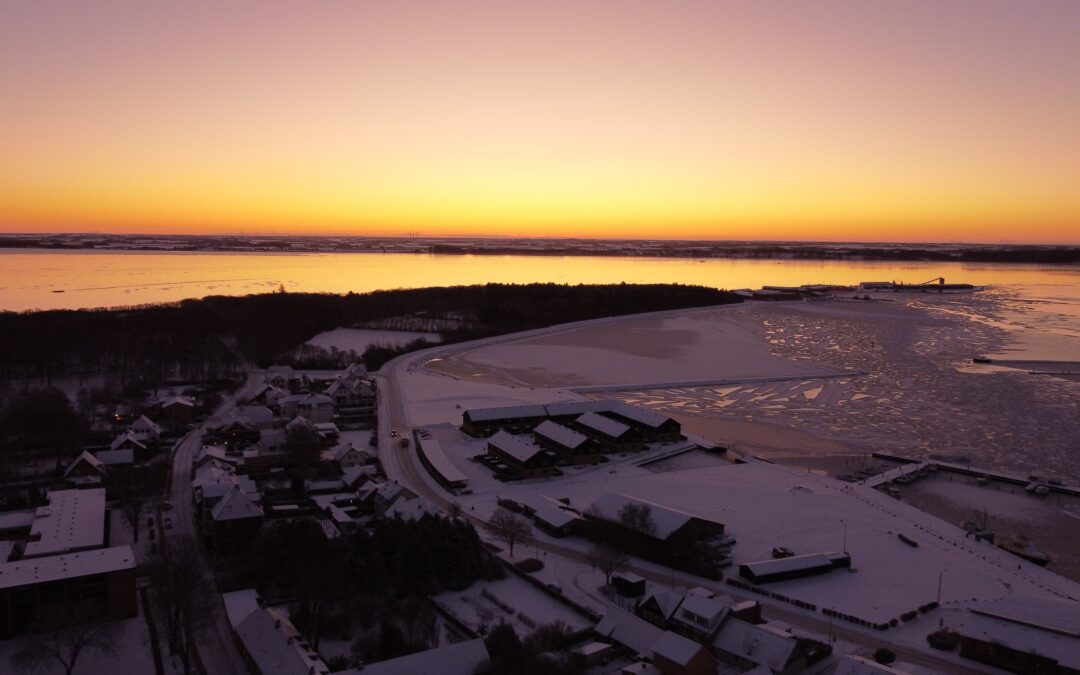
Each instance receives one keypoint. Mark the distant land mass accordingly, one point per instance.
(655, 248)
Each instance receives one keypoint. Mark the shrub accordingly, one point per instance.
(884, 656)
(530, 565)
(944, 640)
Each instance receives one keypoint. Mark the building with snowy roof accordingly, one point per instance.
(794, 567)
(100, 582)
(573, 446)
(442, 469)
(86, 469)
(70, 520)
(747, 646)
(267, 640)
(522, 458)
(674, 654)
(234, 522)
(1020, 635)
(612, 435)
(459, 658)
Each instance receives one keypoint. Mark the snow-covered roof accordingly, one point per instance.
(16, 520)
(240, 604)
(459, 658)
(557, 433)
(642, 416)
(667, 520)
(632, 632)
(433, 452)
(668, 601)
(706, 608)
(508, 412)
(517, 448)
(273, 650)
(71, 521)
(178, 400)
(676, 648)
(85, 458)
(790, 564)
(546, 510)
(254, 414)
(126, 438)
(755, 644)
(1048, 627)
(604, 425)
(297, 423)
(412, 509)
(565, 408)
(340, 450)
(116, 457)
(66, 566)
(144, 425)
(235, 506)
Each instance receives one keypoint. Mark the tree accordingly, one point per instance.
(607, 559)
(638, 517)
(183, 595)
(71, 633)
(131, 507)
(510, 528)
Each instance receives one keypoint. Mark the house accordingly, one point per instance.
(636, 634)
(102, 581)
(659, 607)
(521, 457)
(236, 520)
(235, 434)
(70, 520)
(267, 640)
(177, 412)
(674, 654)
(328, 432)
(86, 469)
(126, 441)
(549, 515)
(257, 416)
(145, 430)
(748, 646)
(613, 436)
(574, 447)
(699, 617)
(652, 426)
(347, 455)
(1020, 635)
(486, 421)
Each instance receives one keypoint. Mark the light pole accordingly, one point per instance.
(939, 578)
(845, 535)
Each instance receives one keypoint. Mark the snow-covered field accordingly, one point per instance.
(515, 601)
(133, 654)
(359, 339)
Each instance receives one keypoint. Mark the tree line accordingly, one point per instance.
(218, 336)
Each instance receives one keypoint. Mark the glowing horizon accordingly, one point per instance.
(853, 121)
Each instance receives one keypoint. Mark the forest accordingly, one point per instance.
(218, 337)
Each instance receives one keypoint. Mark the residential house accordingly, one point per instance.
(574, 447)
(86, 469)
(236, 522)
(674, 654)
(522, 458)
(612, 435)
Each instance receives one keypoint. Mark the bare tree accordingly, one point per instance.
(183, 595)
(638, 517)
(455, 510)
(70, 633)
(608, 560)
(131, 507)
(510, 528)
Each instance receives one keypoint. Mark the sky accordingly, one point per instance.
(923, 120)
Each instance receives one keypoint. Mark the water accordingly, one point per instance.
(1040, 305)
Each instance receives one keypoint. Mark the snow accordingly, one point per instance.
(359, 339)
(66, 566)
(676, 648)
(133, 656)
(603, 425)
(433, 451)
(72, 520)
(235, 506)
(461, 658)
(530, 607)
(628, 630)
(666, 520)
(519, 449)
(764, 647)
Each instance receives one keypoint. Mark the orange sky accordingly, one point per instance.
(867, 120)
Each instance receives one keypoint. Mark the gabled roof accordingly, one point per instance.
(508, 412)
(706, 608)
(144, 424)
(753, 643)
(676, 648)
(273, 651)
(557, 433)
(667, 601)
(297, 423)
(520, 450)
(235, 506)
(126, 439)
(177, 400)
(667, 520)
(641, 416)
(86, 458)
(340, 450)
(255, 414)
(603, 425)
(632, 632)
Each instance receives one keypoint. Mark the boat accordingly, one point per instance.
(58, 291)
(1021, 546)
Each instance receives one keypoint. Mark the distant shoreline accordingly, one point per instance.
(674, 249)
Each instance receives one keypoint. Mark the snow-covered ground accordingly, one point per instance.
(515, 601)
(133, 654)
(359, 339)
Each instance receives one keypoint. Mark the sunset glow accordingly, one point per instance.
(829, 120)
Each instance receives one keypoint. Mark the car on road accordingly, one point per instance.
(393, 433)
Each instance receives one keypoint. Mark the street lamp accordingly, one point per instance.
(939, 577)
(844, 522)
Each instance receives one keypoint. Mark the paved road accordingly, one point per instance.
(401, 465)
(216, 647)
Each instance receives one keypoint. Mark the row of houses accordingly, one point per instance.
(636, 424)
(691, 632)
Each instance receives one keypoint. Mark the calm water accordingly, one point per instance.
(1042, 302)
